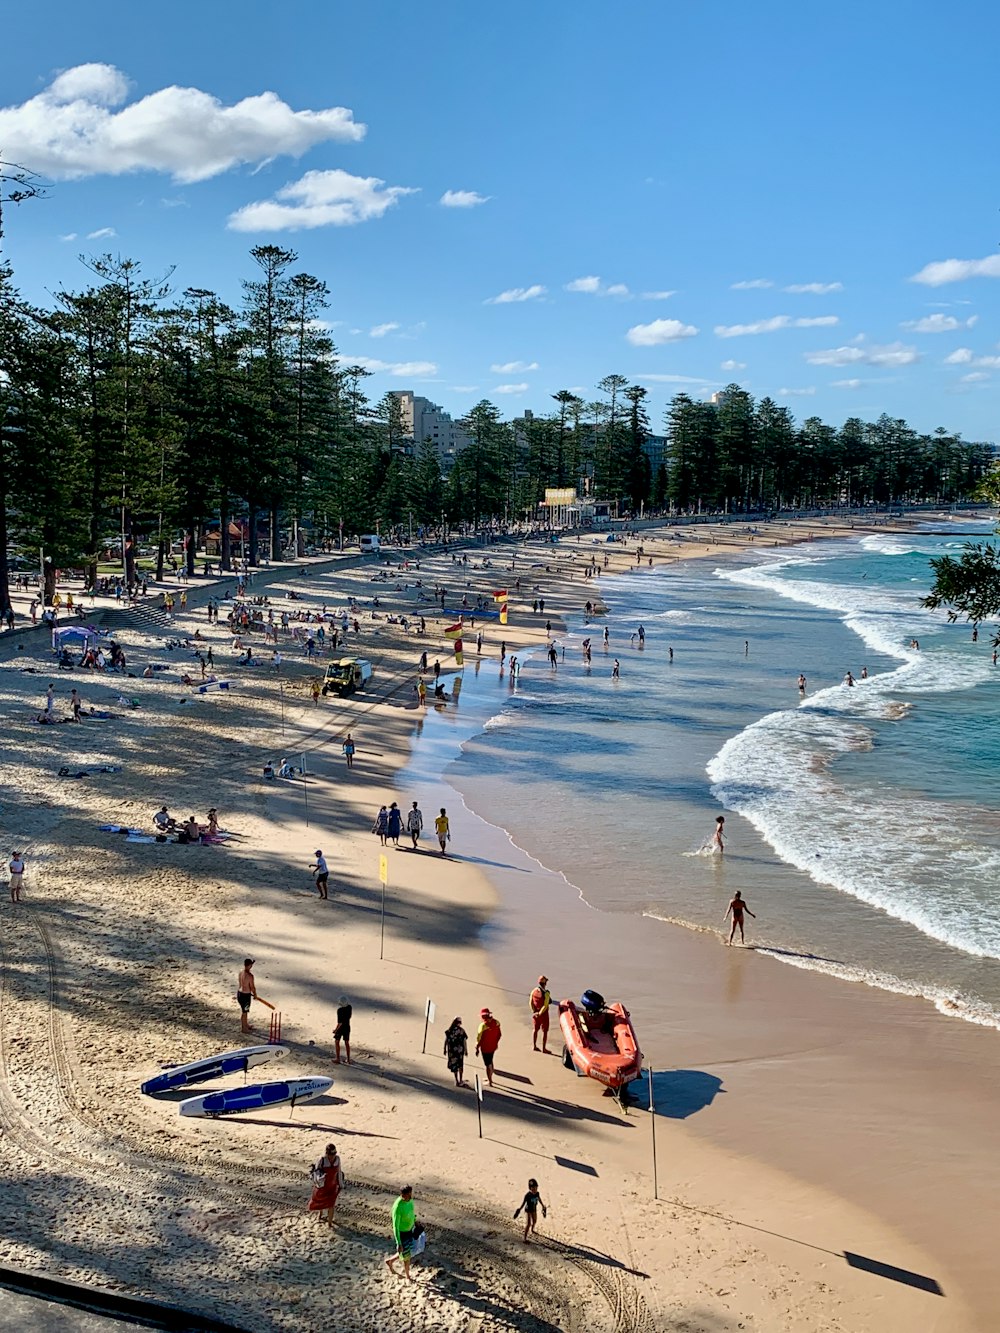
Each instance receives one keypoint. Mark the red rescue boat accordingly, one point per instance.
(600, 1041)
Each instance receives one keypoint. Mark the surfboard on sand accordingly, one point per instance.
(256, 1097)
(213, 1066)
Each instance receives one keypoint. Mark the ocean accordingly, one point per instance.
(861, 823)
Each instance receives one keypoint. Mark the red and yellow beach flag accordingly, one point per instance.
(454, 632)
(501, 597)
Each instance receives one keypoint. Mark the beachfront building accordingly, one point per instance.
(424, 420)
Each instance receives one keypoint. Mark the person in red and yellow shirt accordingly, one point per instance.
(539, 1001)
(487, 1041)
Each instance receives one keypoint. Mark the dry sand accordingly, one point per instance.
(124, 956)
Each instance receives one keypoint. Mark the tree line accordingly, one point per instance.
(130, 411)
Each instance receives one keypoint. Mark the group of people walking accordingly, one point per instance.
(390, 824)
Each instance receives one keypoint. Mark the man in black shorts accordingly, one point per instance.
(246, 990)
(322, 873)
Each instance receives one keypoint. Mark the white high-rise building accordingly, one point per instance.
(424, 420)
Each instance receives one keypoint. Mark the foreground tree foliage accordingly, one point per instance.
(969, 585)
(130, 413)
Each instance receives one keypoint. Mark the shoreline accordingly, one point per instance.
(393, 1108)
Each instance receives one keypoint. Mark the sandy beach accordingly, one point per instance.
(852, 1122)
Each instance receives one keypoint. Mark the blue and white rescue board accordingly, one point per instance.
(256, 1097)
(213, 1066)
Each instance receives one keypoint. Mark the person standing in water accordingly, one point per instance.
(737, 907)
(718, 844)
(802, 683)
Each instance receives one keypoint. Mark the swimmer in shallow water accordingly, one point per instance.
(718, 845)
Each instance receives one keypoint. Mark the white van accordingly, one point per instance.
(370, 545)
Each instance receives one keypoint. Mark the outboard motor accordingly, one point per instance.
(592, 1002)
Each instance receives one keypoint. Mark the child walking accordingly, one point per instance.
(531, 1203)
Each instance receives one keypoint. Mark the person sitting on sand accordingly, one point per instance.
(163, 820)
(212, 828)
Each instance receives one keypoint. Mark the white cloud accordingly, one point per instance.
(402, 369)
(751, 285)
(847, 384)
(591, 284)
(511, 388)
(380, 330)
(69, 130)
(939, 324)
(797, 393)
(732, 365)
(813, 288)
(773, 325)
(514, 367)
(463, 199)
(893, 354)
(70, 236)
(319, 199)
(658, 296)
(101, 234)
(659, 331)
(513, 294)
(957, 270)
(963, 356)
(974, 376)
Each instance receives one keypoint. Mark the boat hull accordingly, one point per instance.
(604, 1048)
(214, 1066)
(256, 1097)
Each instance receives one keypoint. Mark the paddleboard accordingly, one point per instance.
(213, 1066)
(256, 1097)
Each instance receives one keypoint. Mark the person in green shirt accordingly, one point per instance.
(403, 1222)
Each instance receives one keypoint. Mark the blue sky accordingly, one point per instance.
(682, 194)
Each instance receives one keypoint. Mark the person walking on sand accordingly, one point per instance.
(414, 824)
(342, 1032)
(487, 1041)
(443, 830)
(456, 1048)
(394, 826)
(246, 990)
(16, 868)
(738, 907)
(381, 825)
(531, 1203)
(322, 872)
(328, 1180)
(539, 1001)
(349, 748)
(404, 1221)
(718, 837)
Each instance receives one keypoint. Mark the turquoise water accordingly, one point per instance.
(861, 822)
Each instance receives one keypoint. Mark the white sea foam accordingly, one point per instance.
(901, 853)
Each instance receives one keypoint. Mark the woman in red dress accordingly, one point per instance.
(328, 1179)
